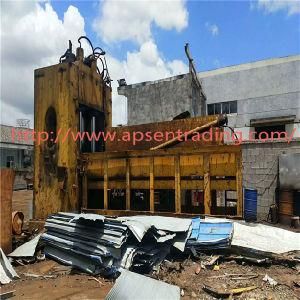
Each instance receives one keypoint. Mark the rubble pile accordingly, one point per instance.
(101, 245)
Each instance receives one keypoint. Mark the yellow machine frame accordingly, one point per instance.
(64, 175)
(213, 167)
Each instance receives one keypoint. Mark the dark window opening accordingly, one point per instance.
(269, 132)
(117, 199)
(10, 161)
(210, 109)
(233, 107)
(192, 201)
(92, 123)
(164, 200)
(27, 158)
(218, 108)
(95, 199)
(225, 108)
(51, 126)
(224, 203)
(140, 200)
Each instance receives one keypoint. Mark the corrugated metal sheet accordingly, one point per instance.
(209, 234)
(98, 244)
(7, 272)
(141, 224)
(264, 239)
(133, 286)
(27, 249)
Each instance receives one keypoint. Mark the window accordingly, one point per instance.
(233, 107)
(218, 108)
(91, 121)
(229, 107)
(265, 132)
(210, 109)
(10, 160)
(225, 108)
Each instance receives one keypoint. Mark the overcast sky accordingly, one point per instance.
(144, 40)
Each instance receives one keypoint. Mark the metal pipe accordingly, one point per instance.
(220, 121)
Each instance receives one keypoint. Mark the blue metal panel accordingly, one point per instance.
(250, 204)
(206, 234)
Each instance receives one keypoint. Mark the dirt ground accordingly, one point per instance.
(192, 284)
(74, 286)
(58, 283)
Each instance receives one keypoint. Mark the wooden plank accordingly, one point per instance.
(151, 182)
(105, 186)
(207, 190)
(127, 184)
(177, 185)
(239, 186)
(183, 137)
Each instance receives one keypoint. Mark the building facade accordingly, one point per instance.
(16, 152)
(259, 98)
(162, 100)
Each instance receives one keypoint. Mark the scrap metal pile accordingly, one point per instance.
(104, 245)
(98, 244)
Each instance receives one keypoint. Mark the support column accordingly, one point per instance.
(105, 184)
(84, 192)
(239, 186)
(127, 184)
(151, 162)
(177, 185)
(207, 191)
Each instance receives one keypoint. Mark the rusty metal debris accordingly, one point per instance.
(17, 222)
(224, 293)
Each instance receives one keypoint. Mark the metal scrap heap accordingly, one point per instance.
(101, 245)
